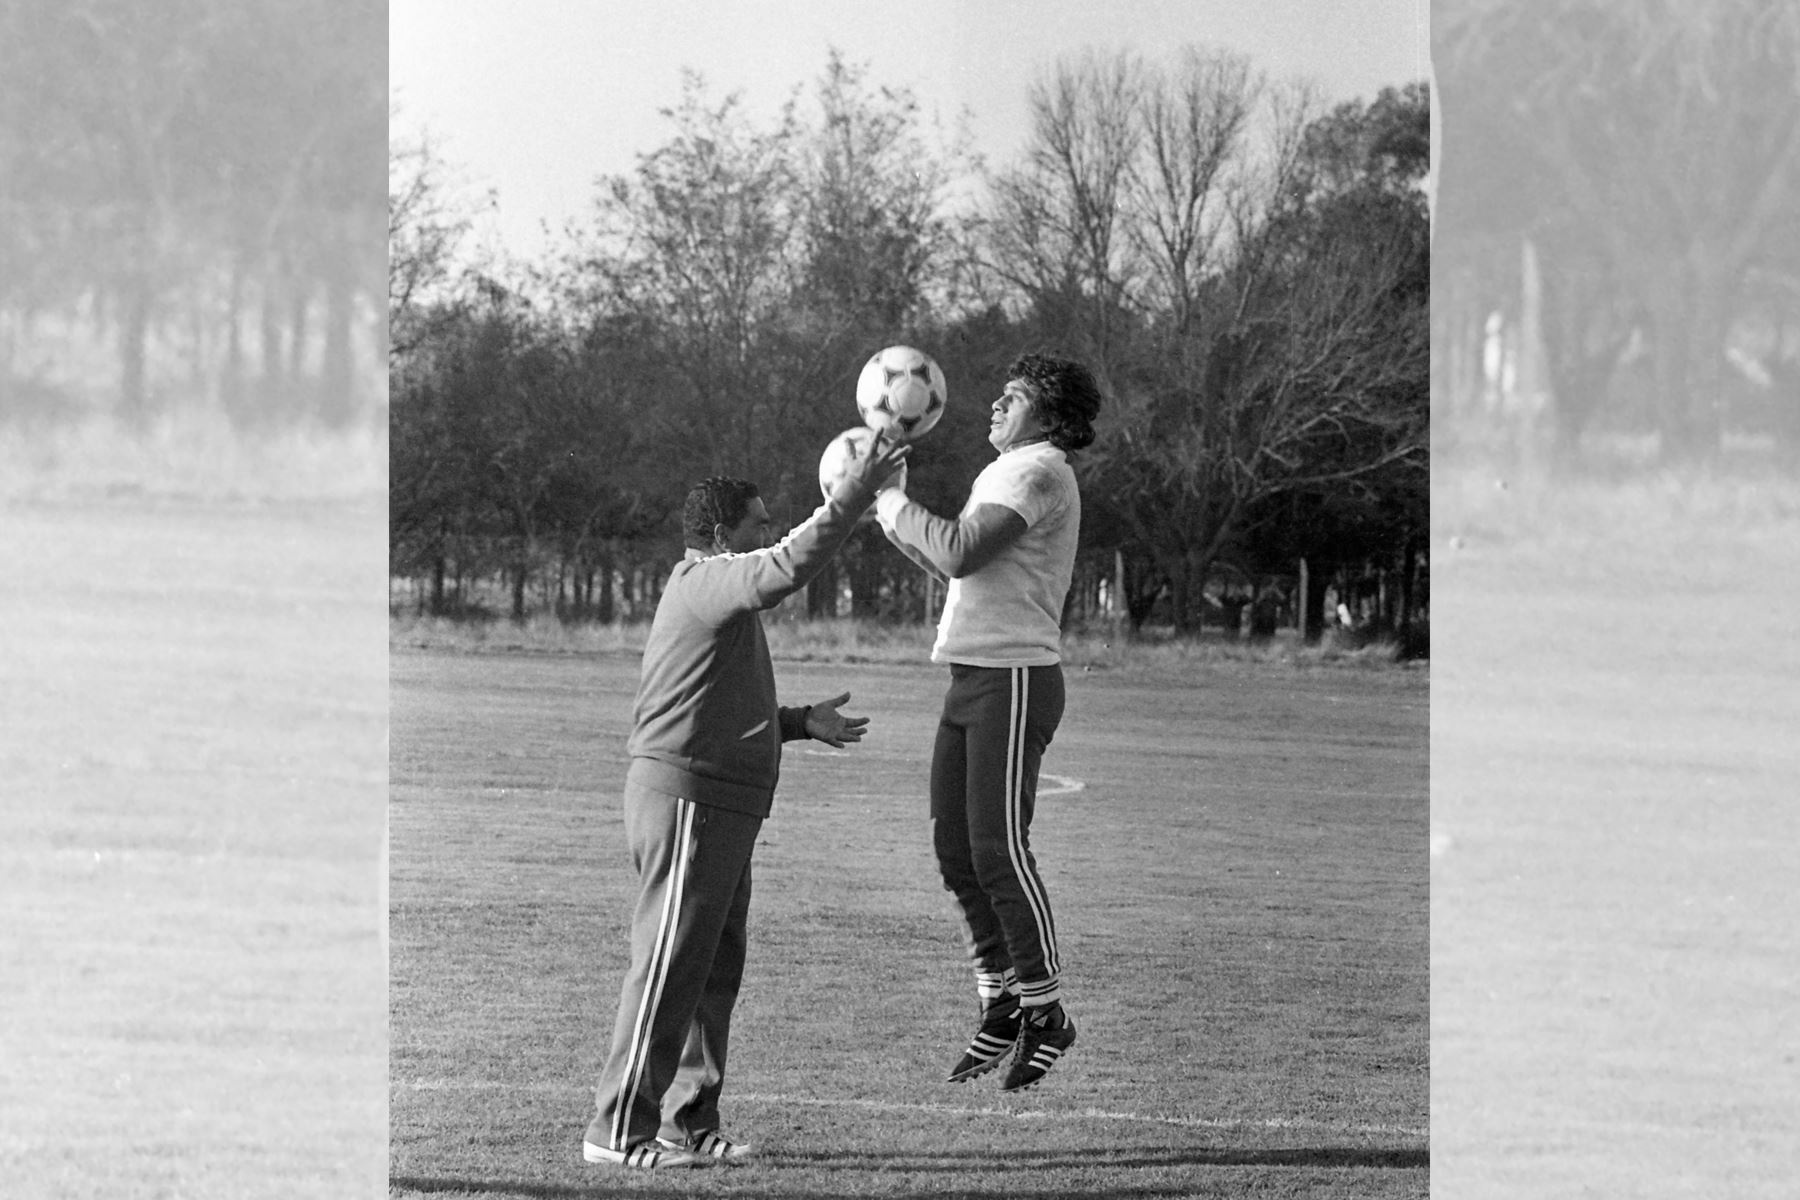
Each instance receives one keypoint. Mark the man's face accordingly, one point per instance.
(751, 533)
(1014, 417)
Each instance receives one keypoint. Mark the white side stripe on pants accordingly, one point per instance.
(661, 952)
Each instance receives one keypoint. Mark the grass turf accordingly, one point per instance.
(1615, 945)
(1237, 863)
(191, 985)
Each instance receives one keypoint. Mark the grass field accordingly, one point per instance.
(1236, 852)
(1615, 939)
(192, 707)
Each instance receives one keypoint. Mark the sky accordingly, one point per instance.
(534, 100)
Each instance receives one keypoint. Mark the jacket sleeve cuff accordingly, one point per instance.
(793, 723)
(887, 504)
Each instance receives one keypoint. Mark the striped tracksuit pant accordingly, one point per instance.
(984, 770)
(666, 1067)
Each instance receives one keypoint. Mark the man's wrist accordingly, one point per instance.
(887, 503)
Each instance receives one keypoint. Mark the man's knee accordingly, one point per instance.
(992, 862)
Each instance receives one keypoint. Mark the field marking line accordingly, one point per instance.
(953, 1110)
(1059, 785)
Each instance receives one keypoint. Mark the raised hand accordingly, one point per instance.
(869, 470)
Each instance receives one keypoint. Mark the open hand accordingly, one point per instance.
(825, 724)
(872, 466)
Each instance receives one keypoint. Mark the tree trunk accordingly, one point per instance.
(1313, 584)
(1691, 312)
(336, 378)
(1707, 332)
(437, 586)
(294, 366)
(134, 339)
(605, 612)
(821, 593)
(1144, 583)
(231, 387)
(272, 398)
(864, 570)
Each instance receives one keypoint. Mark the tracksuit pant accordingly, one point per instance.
(984, 770)
(666, 1067)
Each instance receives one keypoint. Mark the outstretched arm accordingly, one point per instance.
(917, 558)
(953, 548)
(730, 583)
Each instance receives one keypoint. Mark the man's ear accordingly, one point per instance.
(721, 536)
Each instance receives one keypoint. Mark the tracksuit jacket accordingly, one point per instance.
(707, 724)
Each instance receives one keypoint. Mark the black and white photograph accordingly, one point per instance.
(1139, 599)
(910, 599)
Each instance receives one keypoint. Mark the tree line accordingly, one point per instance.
(188, 209)
(1621, 179)
(1245, 269)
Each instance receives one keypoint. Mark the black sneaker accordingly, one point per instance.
(999, 1030)
(1044, 1034)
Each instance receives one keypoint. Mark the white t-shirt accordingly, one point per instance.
(1009, 613)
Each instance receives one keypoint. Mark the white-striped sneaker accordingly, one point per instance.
(712, 1145)
(998, 1031)
(1043, 1036)
(645, 1156)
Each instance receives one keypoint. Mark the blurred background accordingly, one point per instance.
(193, 667)
(1617, 280)
(189, 226)
(1615, 543)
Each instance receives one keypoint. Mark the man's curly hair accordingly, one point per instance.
(1066, 398)
(720, 500)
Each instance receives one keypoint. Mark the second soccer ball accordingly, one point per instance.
(901, 393)
(838, 452)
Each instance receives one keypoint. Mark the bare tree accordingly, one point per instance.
(1060, 228)
(700, 243)
(426, 224)
(1311, 377)
(1303, 365)
(1196, 122)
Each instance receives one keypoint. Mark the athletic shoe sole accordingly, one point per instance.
(644, 1157)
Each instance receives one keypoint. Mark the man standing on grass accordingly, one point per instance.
(1009, 558)
(705, 753)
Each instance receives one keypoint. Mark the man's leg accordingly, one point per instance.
(1012, 718)
(1015, 716)
(997, 1021)
(950, 840)
(690, 1108)
(688, 867)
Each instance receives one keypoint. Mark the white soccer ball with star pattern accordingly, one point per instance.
(901, 393)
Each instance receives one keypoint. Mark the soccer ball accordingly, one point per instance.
(838, 452)
(901, 393)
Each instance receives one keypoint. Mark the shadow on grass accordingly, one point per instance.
(1346, 1157)
(1014, 1166)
